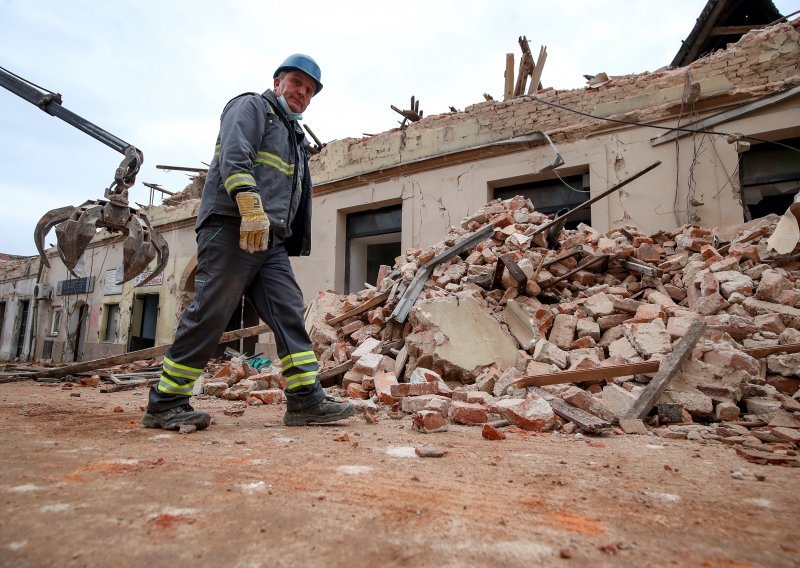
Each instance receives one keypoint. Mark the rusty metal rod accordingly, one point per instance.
(586, 204)
(576, 252)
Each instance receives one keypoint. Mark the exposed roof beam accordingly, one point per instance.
(732, 30)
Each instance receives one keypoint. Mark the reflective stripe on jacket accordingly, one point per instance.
(258, 147)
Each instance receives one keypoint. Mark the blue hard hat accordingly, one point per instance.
(304, 63)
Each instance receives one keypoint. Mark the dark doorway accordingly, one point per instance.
(2, 319)
(373, 239)
(23, 326)
(79, 338)
(144, 318)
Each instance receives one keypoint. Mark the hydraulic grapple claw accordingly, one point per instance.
(137, 249)
(77, 226)
(157, 245)
(47, 222)
(75, 234)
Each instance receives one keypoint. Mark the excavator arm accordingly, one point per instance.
(76, 226)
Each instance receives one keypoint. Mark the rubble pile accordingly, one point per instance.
(510, 306)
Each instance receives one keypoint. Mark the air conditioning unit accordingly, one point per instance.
(43, 292)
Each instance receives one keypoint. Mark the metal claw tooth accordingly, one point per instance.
(47, 222)
(161, 249)
(137, 249)
(75, 234)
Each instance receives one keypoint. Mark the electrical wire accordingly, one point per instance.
(783, 19)
(657, 127)
(584, 191)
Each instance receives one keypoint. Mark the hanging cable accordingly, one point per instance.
(657, 127)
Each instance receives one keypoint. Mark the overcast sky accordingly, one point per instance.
(156, 73)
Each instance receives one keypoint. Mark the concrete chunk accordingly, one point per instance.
(617, 399)
(599, 305)
(370, 345)
(546, 352)
(456, 335)
(533, 413)
(563, 331)
(649, 338)
(588, 328)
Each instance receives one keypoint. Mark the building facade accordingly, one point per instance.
(378, 196)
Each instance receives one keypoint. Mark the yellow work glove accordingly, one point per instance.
(254, 231)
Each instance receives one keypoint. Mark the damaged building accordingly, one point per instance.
(377, 197)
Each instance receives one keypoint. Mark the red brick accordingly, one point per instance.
(428, 421)
(413, 389)
(383, 387)
(534, 413)
(492, 433)
(355, 390)
(466, 413)
(270, 396)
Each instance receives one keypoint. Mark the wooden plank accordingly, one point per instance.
(128, 386)
(668, 368)
(536, 77)
(141, 354)
(584, 420)
(508, 92)
(371, 303)
(732, 30)
(16, 378)
(327, 378)
(525, 69)
(525, 66)
(762, 352)
(587, 375)
(644, 368)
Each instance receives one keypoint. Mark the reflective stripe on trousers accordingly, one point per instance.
(299, 369)
(177, 379)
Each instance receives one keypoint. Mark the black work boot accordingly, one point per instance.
(326, 410)
(174, 418)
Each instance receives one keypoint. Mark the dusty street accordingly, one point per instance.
(83, 485)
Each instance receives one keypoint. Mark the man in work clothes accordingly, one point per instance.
(255, 212)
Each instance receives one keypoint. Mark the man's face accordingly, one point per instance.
(297, 88)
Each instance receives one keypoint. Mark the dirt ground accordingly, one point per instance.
(83, 485)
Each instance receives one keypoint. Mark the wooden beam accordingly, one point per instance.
(667, 369)
(141, 354)
(371, 303)
(645, 368)
(587, 375)
(130, 386)
(586, 421)
(732, 30)
(525, 69)
(714, 16)
(508, 92)
(536, 77)
(328, 378)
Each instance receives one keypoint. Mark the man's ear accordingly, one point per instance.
(276, 82)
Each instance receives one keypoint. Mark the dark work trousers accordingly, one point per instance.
(224, 274)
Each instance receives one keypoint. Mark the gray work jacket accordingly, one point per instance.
(259, 147)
